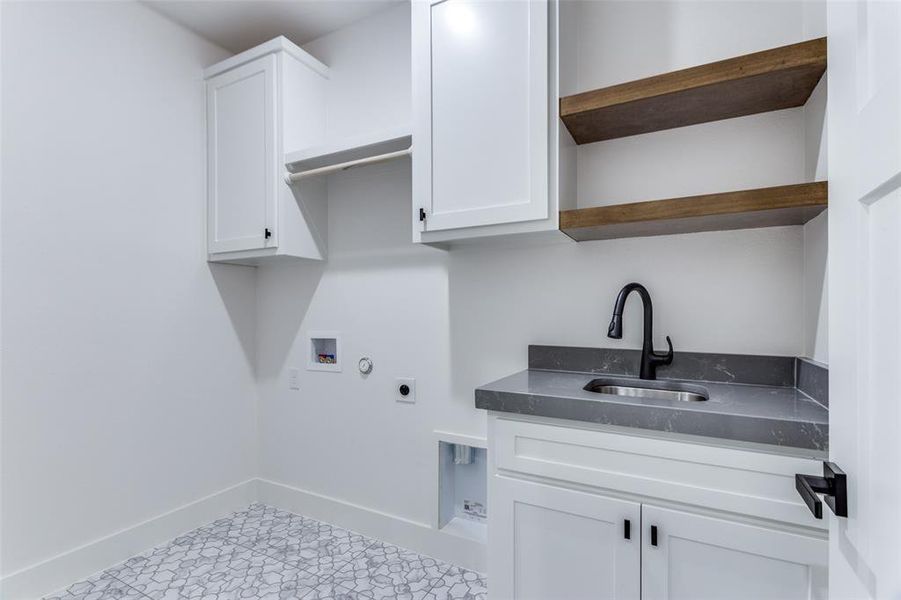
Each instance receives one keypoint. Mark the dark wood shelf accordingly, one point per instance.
(754, 83)
(746, 209)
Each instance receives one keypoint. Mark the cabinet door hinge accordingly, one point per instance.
(422, 214)
(267, 233)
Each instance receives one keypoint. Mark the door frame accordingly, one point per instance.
(864, 129)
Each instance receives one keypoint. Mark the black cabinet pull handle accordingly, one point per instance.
(653, 535)
(833, 485)
(627, 529)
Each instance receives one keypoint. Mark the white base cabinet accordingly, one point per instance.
(695, 557)
(576, 516)
(552, 542)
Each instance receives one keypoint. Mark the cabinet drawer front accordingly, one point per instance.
(740, 481)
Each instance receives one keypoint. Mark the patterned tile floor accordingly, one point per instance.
(262, 552)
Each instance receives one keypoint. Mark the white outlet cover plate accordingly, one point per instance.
(293, 379)
(409, 382)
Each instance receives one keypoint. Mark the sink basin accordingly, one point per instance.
(656, 390)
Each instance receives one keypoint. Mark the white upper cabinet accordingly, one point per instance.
(261, 104)
(241, 107)
(483, 113)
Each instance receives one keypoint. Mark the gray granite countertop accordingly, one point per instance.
(777, 415)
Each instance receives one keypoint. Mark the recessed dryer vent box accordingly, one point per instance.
(324, 349)
(463, 490)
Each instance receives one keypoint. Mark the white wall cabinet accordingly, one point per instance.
(562, 496)
(243, 195)
(485, 124)
(260, 104)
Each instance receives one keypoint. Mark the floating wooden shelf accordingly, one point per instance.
(754, 83)
(747, 209)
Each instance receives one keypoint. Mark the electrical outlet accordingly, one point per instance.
(293, 379)
(405, 390)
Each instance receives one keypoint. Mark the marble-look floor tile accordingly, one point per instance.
(316, 547)
(269, 554)
(337, 594)
(304, 543)
(99, 587)
(386, 571)
(380, 553)
(258, 519)
(459, 584)
(324, 586)
(210, 567)
(258, 578)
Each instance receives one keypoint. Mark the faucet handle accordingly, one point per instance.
(665, 359)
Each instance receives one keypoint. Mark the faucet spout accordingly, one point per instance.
(650, 360)
(615, 330)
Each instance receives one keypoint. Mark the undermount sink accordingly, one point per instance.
(655, 390)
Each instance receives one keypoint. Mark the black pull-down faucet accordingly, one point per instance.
(649, 359)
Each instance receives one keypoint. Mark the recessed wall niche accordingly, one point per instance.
(463, 490)
(324, 351)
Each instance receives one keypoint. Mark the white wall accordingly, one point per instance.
(369, 74)
(816, 288)
(342, 434)
(816, 301)
(458, 319)
(816, 235)
(622, 41)
(121, 337)
(127, 377)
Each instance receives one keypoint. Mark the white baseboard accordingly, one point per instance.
(418, 537)
(80, 563)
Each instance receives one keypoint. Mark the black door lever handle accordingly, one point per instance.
(833, 485)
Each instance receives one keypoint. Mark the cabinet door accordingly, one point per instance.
(549, 542)
(241, 154)
(481, 112)
(699, 558)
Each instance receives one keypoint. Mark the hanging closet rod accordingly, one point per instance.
(295, 177)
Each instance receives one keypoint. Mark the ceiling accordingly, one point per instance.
(237, 25)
